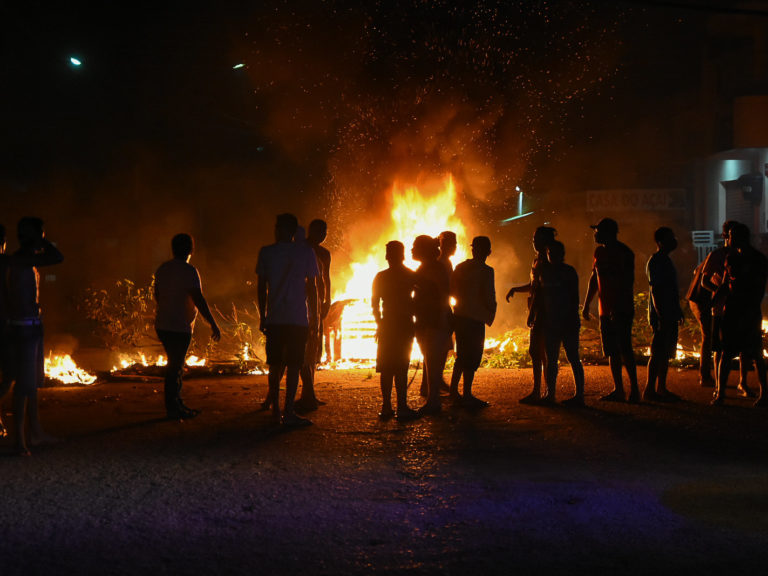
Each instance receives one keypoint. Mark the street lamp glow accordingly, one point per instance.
(75, 61)
(238, 66)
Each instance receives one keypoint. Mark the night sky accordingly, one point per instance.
(157, 132)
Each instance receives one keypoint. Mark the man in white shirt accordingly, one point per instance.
(179, 296)
(287, 300)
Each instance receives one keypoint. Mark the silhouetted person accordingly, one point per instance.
(26, 328)
(700, 302)
(393, 311)
(5, 341)
(473, 286)
(664, 314)
(433, 312)
(746, 273)
(557, 301)
(447, 243)
(287, 301)
(612, 280)
(542, 237)
(307, 402)
(712, 277)
(179, 297)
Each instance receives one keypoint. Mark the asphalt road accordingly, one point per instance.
(510, 489)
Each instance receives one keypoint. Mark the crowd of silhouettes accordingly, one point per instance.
(434, 305)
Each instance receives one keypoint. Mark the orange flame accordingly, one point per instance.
(61, 367)
(412, 214)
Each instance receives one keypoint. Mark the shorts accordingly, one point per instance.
(286, 344)
(616, 335)
(470, 342)
(664, 341)
(393, 352)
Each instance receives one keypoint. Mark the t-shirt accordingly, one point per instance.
(391, 291)
(615, 267)
(286, 266)
(558, 296)
(431, 301)
(175, 282)
(473, 286)
(664, 294)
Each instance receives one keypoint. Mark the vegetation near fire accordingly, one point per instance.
(122, 317)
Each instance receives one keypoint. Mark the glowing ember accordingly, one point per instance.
(62, 368)
(412, 214)
(126, 361)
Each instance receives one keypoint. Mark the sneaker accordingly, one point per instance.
(634, 397)
(305, 405)
(474, 403)
(615, 396)
(652, 396)
(406, 414)
(293, 420)
(429, 409)
(386, 414)
(532, 398)
(575, 401)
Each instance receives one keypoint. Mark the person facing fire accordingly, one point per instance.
(179, 296)
(746, 273)
(556, 300)
(473, 286)
(712, 277)
(26, 328)
(433, 316)
(447, 243)
(542, 237)
(288, 310)
(316, 234)
(612, 280)
(664, 315)
(392, 302)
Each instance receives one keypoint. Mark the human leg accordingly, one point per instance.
(571, 346)
(175, 345)
(387, 377)
(536, 351)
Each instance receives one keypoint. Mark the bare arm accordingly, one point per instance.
(46, 254)
(205, 312)
(591, 291)
(515, 289)
(262, 302)
(312, 303)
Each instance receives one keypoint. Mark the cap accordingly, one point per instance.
(606, 225)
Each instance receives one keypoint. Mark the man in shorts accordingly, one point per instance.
(287, 301)
(612, 280)
(392, 303)
(473, 287)
(664, 315)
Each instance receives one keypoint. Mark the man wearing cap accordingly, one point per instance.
(612, 280)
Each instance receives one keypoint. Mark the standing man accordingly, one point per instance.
(542, 237)
(433, 312)
(179, 297)
(746, 273)
(473, 286)
(5, 383)
(612, 280)
(557, 300)
(392, 304)
(713, 276)
(664, 315)
(26, 328)
(287, 300)
(307, 402)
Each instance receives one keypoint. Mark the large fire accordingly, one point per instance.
(412, 213)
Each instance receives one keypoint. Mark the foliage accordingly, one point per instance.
(122, 315)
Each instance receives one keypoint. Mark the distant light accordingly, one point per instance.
(238, 66)
(516, 217)
(75, 61)
(517, 188)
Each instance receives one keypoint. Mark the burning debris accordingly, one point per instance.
(62, 368)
